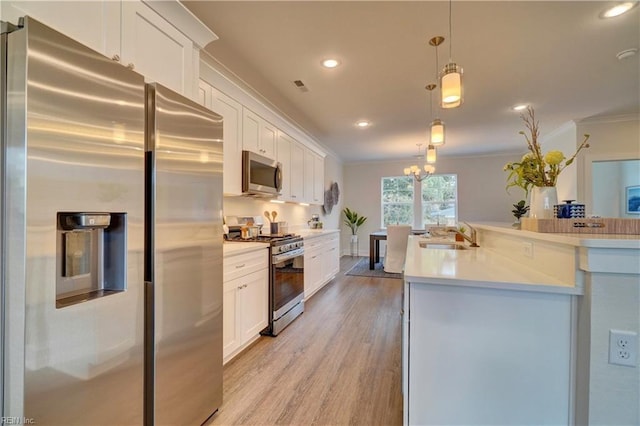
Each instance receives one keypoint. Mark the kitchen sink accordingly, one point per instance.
(445, 246)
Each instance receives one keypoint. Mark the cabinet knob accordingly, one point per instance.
(116, 57)
(239, 287)
(240, 266)
(131, 66)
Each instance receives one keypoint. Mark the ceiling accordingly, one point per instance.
(558, 56)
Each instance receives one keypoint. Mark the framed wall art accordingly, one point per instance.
(632, 199)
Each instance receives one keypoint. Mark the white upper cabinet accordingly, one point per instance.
(313, 177)
(95, 24)
(258, 135)
(138, 34)
(231, 111)
(318, 179)
(156, 49)
(284, 158)
(297, 172)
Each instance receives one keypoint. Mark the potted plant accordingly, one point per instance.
(354, 221)
(461, 230)
(519, 210)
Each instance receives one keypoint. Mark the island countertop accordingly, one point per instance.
(477, 267)
(573, 239)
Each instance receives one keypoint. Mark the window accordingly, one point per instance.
(406, 201)
(439, 200)
(397, 201)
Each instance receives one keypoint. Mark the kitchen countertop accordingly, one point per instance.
(311, 233)
(477, 267)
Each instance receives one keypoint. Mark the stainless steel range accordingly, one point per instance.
(286, 283)
(286, 274)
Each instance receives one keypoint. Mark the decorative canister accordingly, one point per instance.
(568, 210)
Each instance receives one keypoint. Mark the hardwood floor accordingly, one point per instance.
(339, 363)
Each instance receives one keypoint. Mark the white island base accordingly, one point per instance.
(517, 330)
(487, 356)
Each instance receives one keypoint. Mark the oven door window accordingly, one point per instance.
(288, 281)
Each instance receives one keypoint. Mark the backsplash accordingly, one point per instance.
(295, 215)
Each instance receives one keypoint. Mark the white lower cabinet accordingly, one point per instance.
(321, 261)
(331, 257)
(245, 302)
(313, 276)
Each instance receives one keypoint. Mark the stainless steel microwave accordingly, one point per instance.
(260, 175)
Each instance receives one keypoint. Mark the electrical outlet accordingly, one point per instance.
(623, 348)
(527, 249)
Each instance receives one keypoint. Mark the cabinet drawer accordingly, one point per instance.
(333, 238)
(311, 243)
(243, 264)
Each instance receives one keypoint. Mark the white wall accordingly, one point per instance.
(481, 190)
(612, 138)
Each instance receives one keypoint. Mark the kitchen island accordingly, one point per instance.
(516, 330)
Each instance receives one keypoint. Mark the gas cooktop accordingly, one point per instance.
(262, 238)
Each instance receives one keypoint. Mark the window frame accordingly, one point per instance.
(418, 219)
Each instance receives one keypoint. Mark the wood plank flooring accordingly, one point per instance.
(337, 364)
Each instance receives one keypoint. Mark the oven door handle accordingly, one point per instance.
(288, 255)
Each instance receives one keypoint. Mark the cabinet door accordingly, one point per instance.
(318, 179)
(284, 157)
(268, 134)
(250, 131)
(230, 319)
(297, 172)
(255, 301)
(95, 24)
(313, 276)
(156, 48)
(331, 258)
(231, 111)
(308, 175)
(204, 94)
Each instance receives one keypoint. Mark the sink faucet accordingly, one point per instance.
(473, 240)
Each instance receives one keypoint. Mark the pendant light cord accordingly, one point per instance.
(450, 38)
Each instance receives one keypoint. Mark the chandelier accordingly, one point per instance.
(417, 171)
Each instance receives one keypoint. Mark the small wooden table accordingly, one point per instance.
(374, 247)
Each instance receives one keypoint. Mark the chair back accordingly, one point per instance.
(397, 238)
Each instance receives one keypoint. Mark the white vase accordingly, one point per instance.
(354, 245)
(543, 198)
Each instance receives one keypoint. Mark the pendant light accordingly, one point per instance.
(451, 78)
(431, 154)
(437, 125)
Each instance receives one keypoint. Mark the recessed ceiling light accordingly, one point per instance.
(619, 9)
(363, 123)
(519, 107)
(330, 63)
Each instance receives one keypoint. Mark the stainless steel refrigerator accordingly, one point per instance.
(110, 231)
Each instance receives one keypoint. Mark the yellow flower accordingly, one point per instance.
(554, 158)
